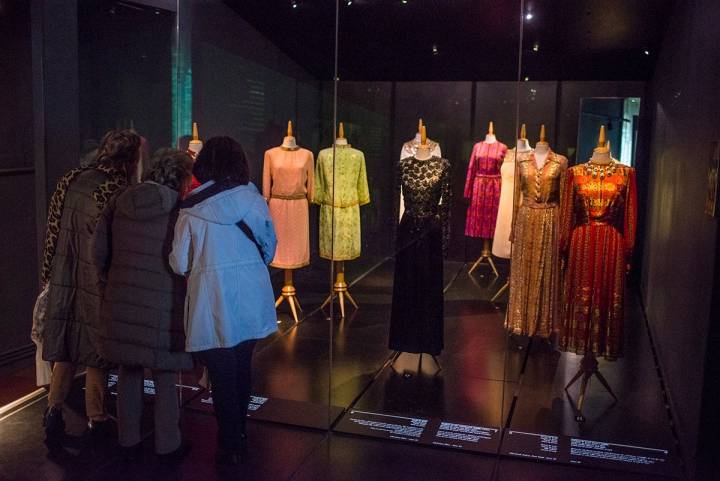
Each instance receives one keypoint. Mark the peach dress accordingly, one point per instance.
(288, 180)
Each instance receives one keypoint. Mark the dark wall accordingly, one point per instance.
(17, 187)
(681, 242)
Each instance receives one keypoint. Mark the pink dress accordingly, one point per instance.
(482, 188)
(287, 185)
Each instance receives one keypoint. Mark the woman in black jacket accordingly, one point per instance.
(142, 308)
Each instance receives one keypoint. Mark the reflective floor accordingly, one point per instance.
(508, 387)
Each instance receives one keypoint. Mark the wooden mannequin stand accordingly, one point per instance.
(502, 289)
(485, 256)
(588, 367)
(289, 294)
(340, 289)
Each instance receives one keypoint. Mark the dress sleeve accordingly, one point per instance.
(470, 179)
(567, 211)
(320, 192)
(310, 172)
(362, 183)
(630, 221)
(446, 207)
(267, 181)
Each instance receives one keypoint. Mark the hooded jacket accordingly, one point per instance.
(141, 311)
(230, 298)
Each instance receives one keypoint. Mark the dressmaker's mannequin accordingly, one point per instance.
(542, 149)
(196, 144)
(490, 136)
(289, 142)
(601, 153)
(341, 140)
(424, 150)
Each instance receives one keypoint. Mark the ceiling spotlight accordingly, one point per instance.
(435, 50)
(529, 16)
(293, 3)
(404, 2)
(526, 79)
(348, 2)
(647, 52)
(536, 47)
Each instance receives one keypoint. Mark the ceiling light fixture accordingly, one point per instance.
(294, 4)
(647, 52)
(536, 47)
(435, 50)
(348, 2)
(529, 16)
(526, 79)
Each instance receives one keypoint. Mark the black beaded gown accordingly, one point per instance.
(416, 323)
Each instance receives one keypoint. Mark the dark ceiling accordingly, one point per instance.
(466, 39)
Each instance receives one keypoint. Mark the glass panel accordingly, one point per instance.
(589, 392)
(423, 356)
(259, 72)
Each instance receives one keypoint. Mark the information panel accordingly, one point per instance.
(430, 431)
(278, 410)
(578, 451)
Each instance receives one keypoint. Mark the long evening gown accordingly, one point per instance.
(416, 323)
(534, 306)
(597, 235)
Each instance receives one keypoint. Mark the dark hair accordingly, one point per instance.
(119, 149)
(170, 167)
(222, 158)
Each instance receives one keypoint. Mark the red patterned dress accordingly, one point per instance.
(482, 188)
(598, 219)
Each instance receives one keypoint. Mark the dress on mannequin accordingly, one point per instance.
(409, 148)
(288, 181)
(597, 236)
(416, 322)
(350, 192)
(534, 305)
(501, 246)
(482, 188)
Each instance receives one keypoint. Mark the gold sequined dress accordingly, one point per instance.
(597, 235)
(534, 306)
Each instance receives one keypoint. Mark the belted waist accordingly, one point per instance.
(595, 222)
(540, 205)
(289, 197)
(491, 176)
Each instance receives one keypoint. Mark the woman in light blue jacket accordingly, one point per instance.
(224, 240)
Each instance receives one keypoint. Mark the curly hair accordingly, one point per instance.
(170, 167)
(222, 158)
(119, 149)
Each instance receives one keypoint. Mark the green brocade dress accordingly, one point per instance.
(350, 192)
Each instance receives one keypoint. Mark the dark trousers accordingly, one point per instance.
(229, 370)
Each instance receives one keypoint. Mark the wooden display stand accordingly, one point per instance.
(485, 255)
(289, 294)
(340, 290)
(588, 368)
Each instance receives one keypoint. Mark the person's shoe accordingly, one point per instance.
(178, 455)
(102, 430)
(54, 426)
(131, 453)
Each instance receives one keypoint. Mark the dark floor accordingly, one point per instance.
(487, 379)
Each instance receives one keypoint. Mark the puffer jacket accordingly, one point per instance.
(142, 307)
(72, 318)
(230, 298)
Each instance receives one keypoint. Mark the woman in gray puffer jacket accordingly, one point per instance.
(141, 312)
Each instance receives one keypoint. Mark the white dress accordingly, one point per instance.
(501, 243)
